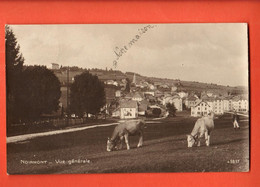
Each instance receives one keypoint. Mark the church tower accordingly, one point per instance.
(134, 79)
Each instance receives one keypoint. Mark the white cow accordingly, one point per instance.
(203, 126)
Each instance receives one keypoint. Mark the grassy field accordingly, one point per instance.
(165, 150)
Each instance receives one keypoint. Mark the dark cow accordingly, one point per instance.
(123, 130)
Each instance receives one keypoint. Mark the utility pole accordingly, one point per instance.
(68, 82)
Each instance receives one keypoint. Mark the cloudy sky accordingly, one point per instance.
(212, 53)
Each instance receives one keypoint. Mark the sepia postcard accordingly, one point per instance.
(127, 98)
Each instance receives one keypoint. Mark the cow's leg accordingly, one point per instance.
(198, 142)
(207, 138)
(140, 143)
(236, 124)
(199, 137)
(126, 141)
(121, 142)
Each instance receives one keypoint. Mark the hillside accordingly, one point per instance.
(187, 86)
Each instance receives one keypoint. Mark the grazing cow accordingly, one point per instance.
(123, 130)
(203, 126)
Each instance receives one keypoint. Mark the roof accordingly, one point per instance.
(144, 102)
(227, 97)
(200, 103)
(209, 99)
(128, 104)
(143, 107)
(176, 96)
(191, 98)
(129, 95)
(240, 97)
(150, 97)
(137, 95)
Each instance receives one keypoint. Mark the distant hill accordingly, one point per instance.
(187, 86)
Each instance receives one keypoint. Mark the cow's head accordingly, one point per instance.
(110, 144)
(191, 140)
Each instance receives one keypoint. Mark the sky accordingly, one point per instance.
(210, 53)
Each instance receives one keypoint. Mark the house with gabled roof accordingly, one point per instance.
(137, 97)
(190, 101)
(128, 109)
(201, 108)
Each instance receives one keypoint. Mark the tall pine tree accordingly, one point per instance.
(14, 67)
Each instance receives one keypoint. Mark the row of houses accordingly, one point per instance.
(219, 105)
(134, 104)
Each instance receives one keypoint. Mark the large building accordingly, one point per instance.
(201, 108)
(220, 105)
(240, 103)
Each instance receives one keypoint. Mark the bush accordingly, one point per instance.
(157, 112)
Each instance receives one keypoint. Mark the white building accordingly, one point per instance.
(128, 109)
(183, 94)
(137, 97)
(176, 100)
(201, 108)
(218, 106)
(190, 101)
(227, 103)
(111, 82)
(152, 87)
(149, 93)
(118, 93)
(240, 103)
(55, 66)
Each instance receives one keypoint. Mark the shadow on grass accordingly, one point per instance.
(228, 142)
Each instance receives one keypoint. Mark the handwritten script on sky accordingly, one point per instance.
(119, 52)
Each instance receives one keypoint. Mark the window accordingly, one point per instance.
(198, 113)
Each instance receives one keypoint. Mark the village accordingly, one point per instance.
(144, 97)
(171, 104)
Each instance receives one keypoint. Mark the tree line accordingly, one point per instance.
(32, 91)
